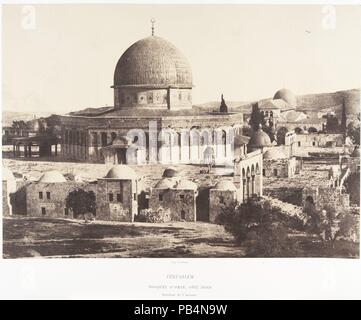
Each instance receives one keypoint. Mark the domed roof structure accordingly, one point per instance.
(260, 139)
(165, 183)
(274, 154)
(286, 95)
(185, 184)
(52, 176)
(170, 172)
(356, 152)
(225, 185)
(121, 172)
(153, 61)
(7, 175)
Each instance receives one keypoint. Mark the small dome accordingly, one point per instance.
(121, 141)
(153, 61)
(240, 140)
(7, 175)
(274, 154)
(225, 185)
(52, 176)
(185, 184)
(121, 172)
(260, 139)
(356, 152)
(286, 95)
(165, 183)
(170, 172)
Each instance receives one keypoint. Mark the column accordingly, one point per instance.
(253, 185)
(14, 152)
(30, 151)
(244, 190)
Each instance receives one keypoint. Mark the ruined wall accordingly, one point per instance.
(289, 195)
(275, 168)
(54, 207)
(324, 197)
(181, 203)
(319, 140)
(119, 208)
(218, 201)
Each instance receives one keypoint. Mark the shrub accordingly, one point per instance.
(156, 216)
(260, 228)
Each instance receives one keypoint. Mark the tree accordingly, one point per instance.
(353, 131)
(19, 124)
(281, 135)
(332, 124)
(259, 228)
(333, 225)
(257, 118)
(344, 118)
(81, 202)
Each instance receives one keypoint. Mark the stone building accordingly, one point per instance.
(117, 194)
(177, 194)
(322, 197)
(8, 189)
(325, 140)
(152, 119)
(248, 167)
(277, 164)
(221, 196)
(47, 196)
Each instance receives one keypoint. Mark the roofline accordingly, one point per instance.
(153, 86)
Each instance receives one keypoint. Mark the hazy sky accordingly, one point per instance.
(245, 52)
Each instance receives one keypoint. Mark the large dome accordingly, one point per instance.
(153, 61)
(286, 95)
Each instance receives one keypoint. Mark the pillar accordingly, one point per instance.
(25, 151)
(253, 185)
(14, 152)
(244, 189)
(30, 151)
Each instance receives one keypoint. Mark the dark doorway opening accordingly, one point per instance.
(202, 204)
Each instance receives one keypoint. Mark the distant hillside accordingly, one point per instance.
(232, 105)
(9, 116)
(334, 99)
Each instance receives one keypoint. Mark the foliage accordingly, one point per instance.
(332, 124)
(331, 225)
(81, 202)
(343, 117)
(260, 228)
(256, 118)
(156, 216)
(352, 186)
(354, 133)
(281, 135)
(21, 124)
(270, 131)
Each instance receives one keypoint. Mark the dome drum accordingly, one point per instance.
(152, 73)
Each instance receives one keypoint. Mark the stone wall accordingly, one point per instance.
(289, 195)
(117, 200)
(181, 203)
(52, 202)
(324, 197)
(319, 140)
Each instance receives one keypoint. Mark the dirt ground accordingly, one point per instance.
(39, 237)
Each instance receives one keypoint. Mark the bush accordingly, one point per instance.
(155, 216)
(260, 228)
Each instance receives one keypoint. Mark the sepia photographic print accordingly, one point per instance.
(180, 131)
